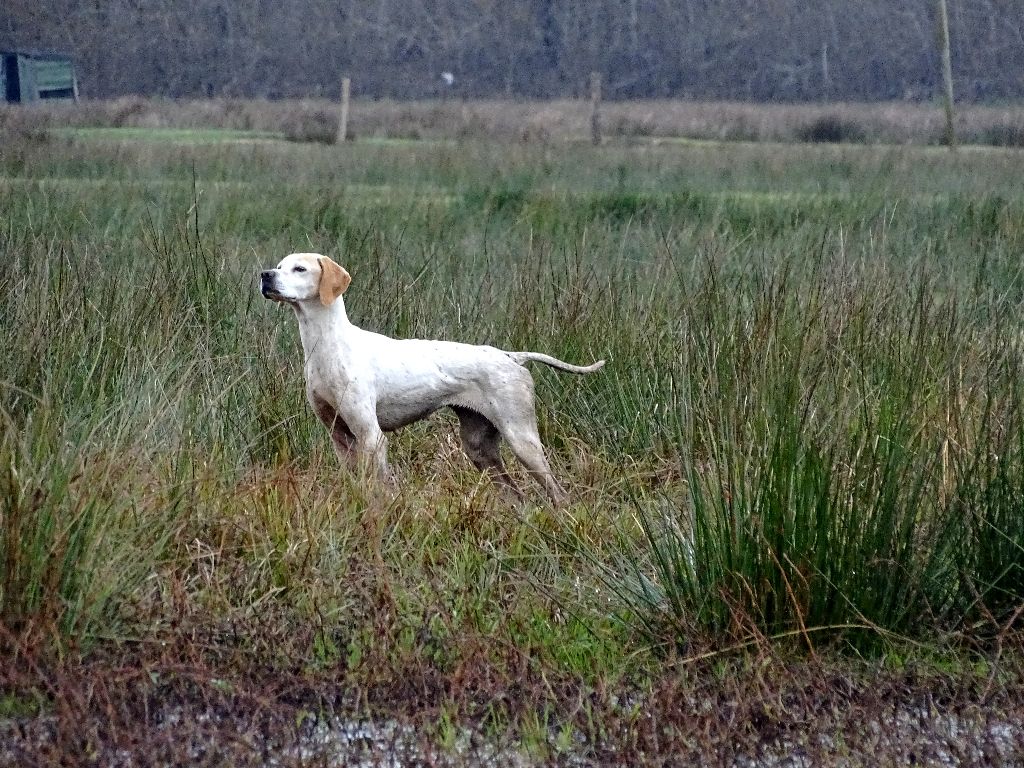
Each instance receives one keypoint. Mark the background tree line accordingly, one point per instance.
(791, 50)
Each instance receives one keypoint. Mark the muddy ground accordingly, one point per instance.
(134, 711)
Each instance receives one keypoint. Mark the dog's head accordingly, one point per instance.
(302, 277)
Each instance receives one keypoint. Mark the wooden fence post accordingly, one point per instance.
(346, 86)
(947, 73)
(595, 108)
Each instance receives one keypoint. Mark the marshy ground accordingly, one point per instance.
(797, 530)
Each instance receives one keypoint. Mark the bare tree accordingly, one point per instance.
(793, 50)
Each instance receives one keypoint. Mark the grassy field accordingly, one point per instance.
(799, 479)
(533, 122)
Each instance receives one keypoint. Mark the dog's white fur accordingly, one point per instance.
(362, 384)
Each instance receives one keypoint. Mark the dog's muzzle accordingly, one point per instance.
(267, 286)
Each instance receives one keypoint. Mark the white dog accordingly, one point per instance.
(363, 384)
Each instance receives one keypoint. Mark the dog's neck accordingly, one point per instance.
(320, 325)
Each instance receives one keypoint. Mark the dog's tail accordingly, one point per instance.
(554, 362)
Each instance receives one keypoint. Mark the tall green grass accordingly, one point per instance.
(843, 475)
(809, 425)
(848, 440)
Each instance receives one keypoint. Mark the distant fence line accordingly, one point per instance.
(543, 121)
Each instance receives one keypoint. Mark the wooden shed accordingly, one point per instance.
(27, 77)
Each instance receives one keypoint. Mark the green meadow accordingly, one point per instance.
(807, 443)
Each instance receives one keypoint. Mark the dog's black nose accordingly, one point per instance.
(267, 282)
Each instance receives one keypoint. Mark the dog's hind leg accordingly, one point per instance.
(517, 423)
(525, 444)
(480, 441)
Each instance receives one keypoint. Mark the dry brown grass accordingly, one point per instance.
(559, 120)
(176, 704)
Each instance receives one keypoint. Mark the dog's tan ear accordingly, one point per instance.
(333, 281)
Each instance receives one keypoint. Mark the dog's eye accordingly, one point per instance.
(298, 269)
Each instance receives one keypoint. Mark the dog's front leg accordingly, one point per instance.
(373, 452)
(371, 445)
(342, 439)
